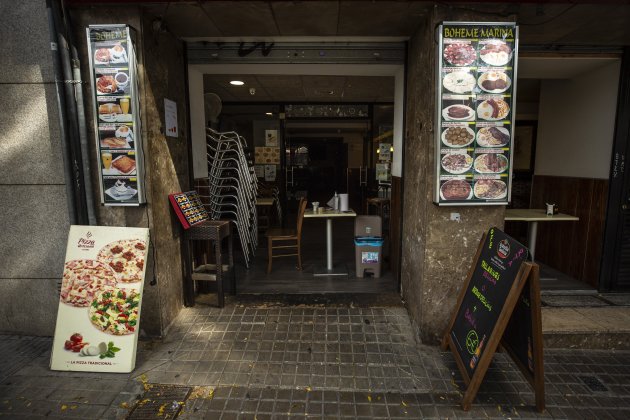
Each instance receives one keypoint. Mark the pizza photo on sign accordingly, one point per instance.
(126, 258)
(115, 311)
(82, 279)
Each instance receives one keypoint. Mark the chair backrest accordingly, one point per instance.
(300, 217)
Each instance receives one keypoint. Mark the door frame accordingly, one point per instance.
(619, 182)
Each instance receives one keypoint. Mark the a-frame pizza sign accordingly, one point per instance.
(499, 304)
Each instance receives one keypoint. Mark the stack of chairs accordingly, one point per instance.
(232, 187)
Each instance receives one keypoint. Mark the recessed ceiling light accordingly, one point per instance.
(268, 113)
(237, 82)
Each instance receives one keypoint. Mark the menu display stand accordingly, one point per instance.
(498, 304)
(113, 73)
(476, 69)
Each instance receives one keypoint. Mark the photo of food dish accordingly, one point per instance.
(458, 136)
(460, 54)
(122, 165)
(457, 163)
(115, 311)
(82, 279)
(106, 84)
(493, 136)
(494, 82)
(126, 257)
(491, 163)
(114, 109)
(495, 53)
(456, 189)
(120, 189)
(459, 82)
(493, 110)
(115, 54)
(102, 56)
(490, 189)
(115, 143)
(458, 113)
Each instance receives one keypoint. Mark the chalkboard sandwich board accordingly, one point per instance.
(490, 300)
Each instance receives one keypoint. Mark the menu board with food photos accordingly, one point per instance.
(116, 116)
(476, 75)
(189, 209)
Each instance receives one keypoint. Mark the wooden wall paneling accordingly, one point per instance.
(572, 247)
(595, 240)
(395, 221)
(583, 189)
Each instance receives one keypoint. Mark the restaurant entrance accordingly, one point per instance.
(558, 161)
(307, 138)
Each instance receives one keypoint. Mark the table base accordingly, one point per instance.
(338, 270)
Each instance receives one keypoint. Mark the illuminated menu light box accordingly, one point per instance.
(116, 114)
(188, 208)
(476, 69)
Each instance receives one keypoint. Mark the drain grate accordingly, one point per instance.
(161, 401)
(593, 383)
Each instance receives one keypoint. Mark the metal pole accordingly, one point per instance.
(329, 244)
(61, 109)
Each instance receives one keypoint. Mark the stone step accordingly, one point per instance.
(595, 327)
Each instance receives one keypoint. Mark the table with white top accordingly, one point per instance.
(532, 217)
(329, 215)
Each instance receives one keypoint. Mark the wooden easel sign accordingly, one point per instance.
(499, 304)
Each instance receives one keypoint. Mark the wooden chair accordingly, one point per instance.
(289, 239)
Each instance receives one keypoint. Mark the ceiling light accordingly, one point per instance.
(237, 82)
(268, 113)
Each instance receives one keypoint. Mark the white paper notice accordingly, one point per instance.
(170, 118)
(271, 138)
(259, 170)
(101, 295)
(270, 173)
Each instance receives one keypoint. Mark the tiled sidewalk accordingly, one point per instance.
(265, 361)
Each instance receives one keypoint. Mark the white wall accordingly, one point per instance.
(576, 124)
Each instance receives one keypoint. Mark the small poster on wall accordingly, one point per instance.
(382, 172)
(98, 319)
(385, 153)
(267, 155)
(270, 173)
(259, 170)
(271, 138)
(170, 118)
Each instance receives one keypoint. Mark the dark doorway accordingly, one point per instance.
(615, 269)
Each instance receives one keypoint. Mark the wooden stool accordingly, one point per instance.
(209, 231)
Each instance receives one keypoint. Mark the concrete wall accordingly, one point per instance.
(436, 252)
(33, 210)
(577, 123)
(161, 75)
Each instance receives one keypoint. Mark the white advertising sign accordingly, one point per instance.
(101, 295)
(170, 117)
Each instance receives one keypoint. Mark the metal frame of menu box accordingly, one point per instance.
(135, 106)
(438, 116)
